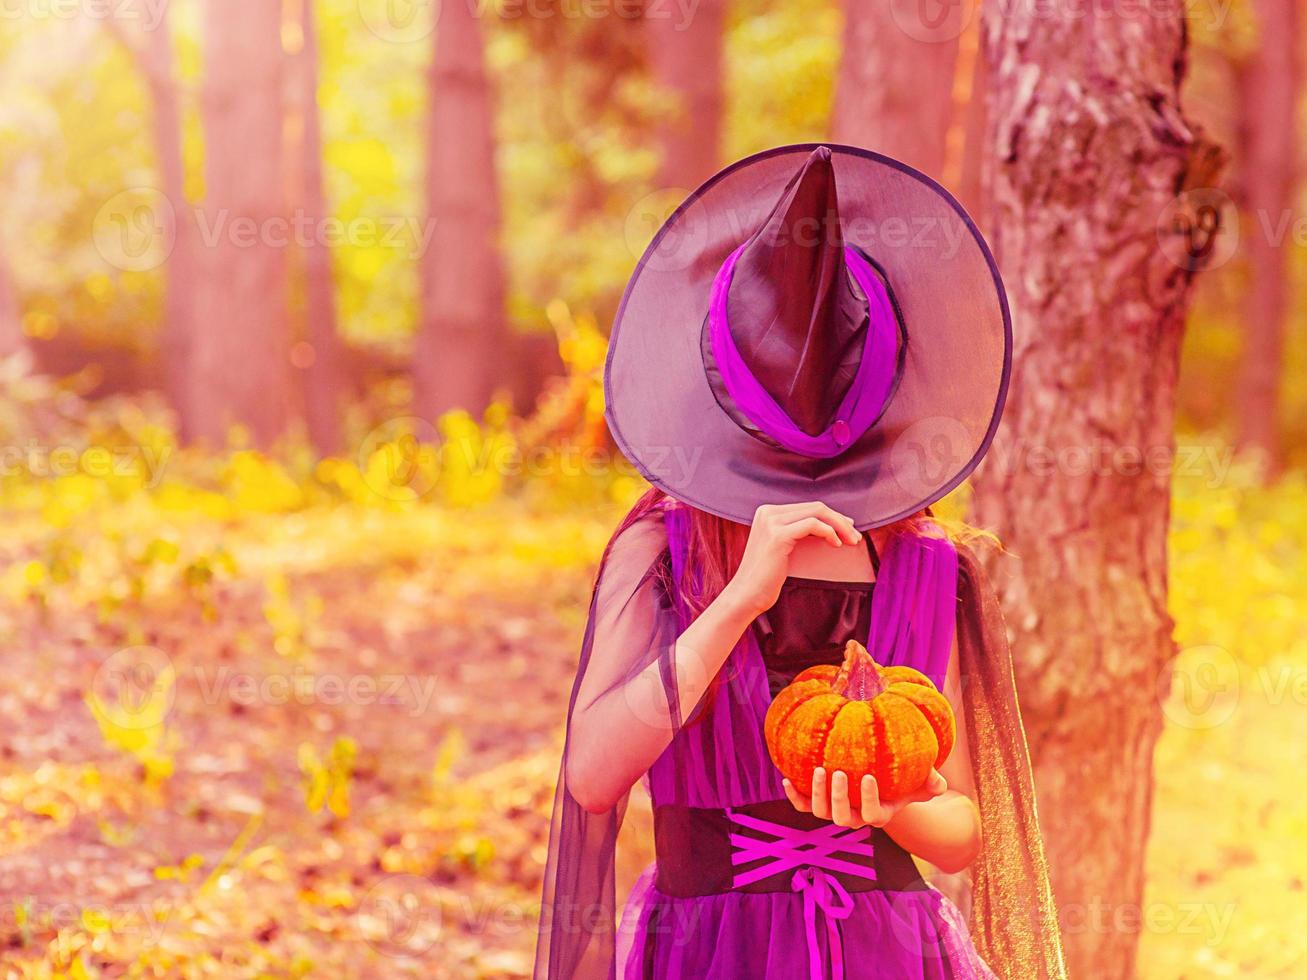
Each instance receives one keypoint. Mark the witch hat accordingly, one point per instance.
(832, 327)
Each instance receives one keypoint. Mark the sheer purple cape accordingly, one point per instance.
(715, 756)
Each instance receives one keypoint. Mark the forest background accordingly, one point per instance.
(303, 469)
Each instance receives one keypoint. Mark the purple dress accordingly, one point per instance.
(745, 886)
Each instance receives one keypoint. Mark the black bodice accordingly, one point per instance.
(811, 622)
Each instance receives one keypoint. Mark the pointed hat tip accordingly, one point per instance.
(818, 167)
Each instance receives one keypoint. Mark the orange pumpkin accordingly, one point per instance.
(861, 718)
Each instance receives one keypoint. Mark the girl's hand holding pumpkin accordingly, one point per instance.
(874, 812)
(775, 530)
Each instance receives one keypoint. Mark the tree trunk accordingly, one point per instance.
(685, 60)
(1091, 151)
(178, 324)
(322, 367)
(239, 355)
(1268, 97)
(973, 129)
(894, 91)
(463, 333)
(152, 51)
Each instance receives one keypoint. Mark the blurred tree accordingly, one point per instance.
(12, 339)
(239, 355)
(1091, 150)
(894, 93)
(966, 149)
(685, 58)
(321, 362)
(1269, 82)
(577, 130)
(152, 52)
(463, 333)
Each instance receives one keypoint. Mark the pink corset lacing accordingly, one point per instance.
(812, 854)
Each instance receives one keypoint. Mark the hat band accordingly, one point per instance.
(862, 404)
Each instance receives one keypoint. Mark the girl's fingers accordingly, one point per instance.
(839, 799)
(811, 526)
(842, 523)
(872, 812)
(797, 799)
(934, 786)
(867, 789)
(820, 794)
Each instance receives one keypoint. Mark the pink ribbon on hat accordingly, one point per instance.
(862, 404)
(813, 854)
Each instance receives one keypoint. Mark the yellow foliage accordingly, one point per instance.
(256, 484)
(326, 782)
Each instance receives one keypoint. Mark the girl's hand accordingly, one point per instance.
(875, 812)
(776, 528)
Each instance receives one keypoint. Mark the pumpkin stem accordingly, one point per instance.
(859, 677)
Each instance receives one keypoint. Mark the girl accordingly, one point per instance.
(798, 399)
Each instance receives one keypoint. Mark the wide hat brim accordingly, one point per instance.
(667, 420)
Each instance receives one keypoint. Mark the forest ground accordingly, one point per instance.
(321, 740)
